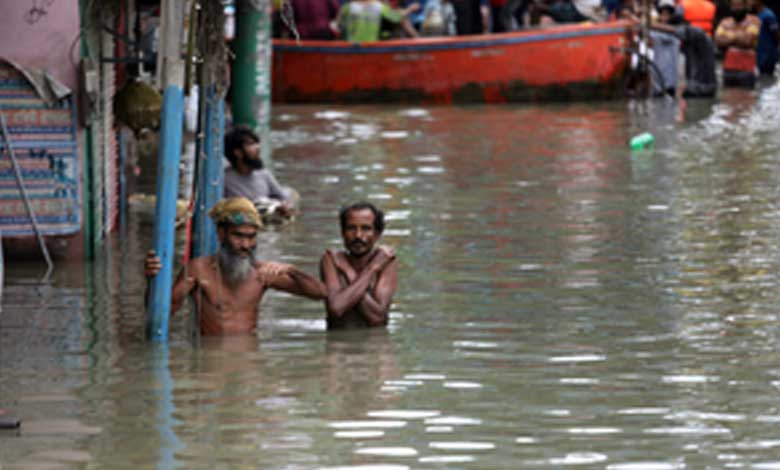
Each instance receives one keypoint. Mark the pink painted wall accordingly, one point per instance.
(47, 43)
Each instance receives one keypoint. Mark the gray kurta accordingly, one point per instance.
(256, 186)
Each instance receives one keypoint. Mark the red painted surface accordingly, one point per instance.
(490, 68)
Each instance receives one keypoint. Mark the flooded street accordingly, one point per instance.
(562, 303)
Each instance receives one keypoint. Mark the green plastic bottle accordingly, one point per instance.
(642, 141)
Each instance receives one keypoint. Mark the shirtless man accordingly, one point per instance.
(229, 285)
(362, 279)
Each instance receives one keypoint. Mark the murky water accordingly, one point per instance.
(563, 302)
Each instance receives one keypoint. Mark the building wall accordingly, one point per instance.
(47, 39)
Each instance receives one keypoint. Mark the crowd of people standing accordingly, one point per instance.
(745, 31)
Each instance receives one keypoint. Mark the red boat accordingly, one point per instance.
(583, 61)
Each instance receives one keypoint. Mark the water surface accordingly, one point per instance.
(562, 302)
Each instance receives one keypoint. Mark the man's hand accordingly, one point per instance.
(384, 255)
(270, 270)
(152, 264)
(413, 7)
(286, 209)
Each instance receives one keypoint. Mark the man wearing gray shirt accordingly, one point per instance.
(247, 177)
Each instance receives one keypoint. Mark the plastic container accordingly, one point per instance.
(642, 141)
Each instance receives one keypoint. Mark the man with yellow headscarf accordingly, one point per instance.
(229, 285)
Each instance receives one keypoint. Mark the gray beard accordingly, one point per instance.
(235, 269)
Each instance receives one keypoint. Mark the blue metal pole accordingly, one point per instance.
(210, 177)
(165, 421)
(159, 301)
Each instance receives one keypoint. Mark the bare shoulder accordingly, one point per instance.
(337, 256)
(203, 263)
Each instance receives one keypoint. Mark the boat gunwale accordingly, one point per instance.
(450, 43)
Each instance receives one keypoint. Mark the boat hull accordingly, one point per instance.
(559, 63)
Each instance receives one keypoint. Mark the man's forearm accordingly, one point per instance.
(308, 285)
(746, 41)
(347, 298)
(177, 298)
(372, 310)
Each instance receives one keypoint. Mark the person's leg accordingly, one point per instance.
(509, 14)
(496, 25)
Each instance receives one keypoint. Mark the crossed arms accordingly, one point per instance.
(369, 292)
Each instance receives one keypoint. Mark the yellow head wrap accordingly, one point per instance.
(235, 211)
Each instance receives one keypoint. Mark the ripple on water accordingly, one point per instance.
(462, 385)
(430, 170)
(579, 458)
(394, 134)
(461, 445)
(645, 466)
(594, 431)
(428, 158)
(754, 445)
(688, 379)
(404, 414)
(388, 451)
(367, 424)
(686, 415)
(367, 467)
(403, 383)
(688, 430)
(331, 115)
(643, 411)
(578, 381)
(415, 112)
(768, 419)
(475, 344)
(397, 215)
(363, 131)
(453, 421)
(398, 232)
(526, 440)
(425, 377)
(400, 180)
(439, 429)
(375, 434)
(579, 358)
(447, 459)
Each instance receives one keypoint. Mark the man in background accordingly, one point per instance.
(247, 176)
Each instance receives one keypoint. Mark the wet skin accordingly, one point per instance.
(360, 280)
(226, 309)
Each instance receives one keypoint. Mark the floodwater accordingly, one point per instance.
(563, 303)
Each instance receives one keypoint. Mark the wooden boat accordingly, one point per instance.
(583, 61)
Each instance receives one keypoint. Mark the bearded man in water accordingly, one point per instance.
(229, 285)
(362, 279)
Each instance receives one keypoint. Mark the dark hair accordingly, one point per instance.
(379, 216)
(235, 140)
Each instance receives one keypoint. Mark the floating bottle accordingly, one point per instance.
(642, 141)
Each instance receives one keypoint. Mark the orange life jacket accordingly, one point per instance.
(700, 13)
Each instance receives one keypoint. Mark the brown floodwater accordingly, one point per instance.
(563, 302)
